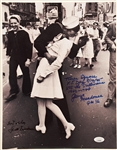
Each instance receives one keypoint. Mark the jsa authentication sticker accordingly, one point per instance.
(99, 139)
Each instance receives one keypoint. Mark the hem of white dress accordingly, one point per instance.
(53, 98)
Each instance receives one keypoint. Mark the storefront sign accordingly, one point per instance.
(52, 11)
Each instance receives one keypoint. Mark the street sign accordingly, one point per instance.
(52, 12)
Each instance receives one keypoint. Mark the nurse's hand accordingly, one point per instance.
(40, 79)
(50, 58)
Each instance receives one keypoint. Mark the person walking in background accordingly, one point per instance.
(29, 30)
(88, 49)
(110, 39)
(76, 62)
(19, 52)
(77, 59)
(38, 26)
(36, 30)
(105, 29)
(35, 33)
(4, 40)
(96, 42)
(4, 35)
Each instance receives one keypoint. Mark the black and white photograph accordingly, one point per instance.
(58, 75)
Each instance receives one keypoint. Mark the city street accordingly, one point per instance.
(86, 92)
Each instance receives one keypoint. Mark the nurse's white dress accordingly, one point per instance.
(50, 88)
(88, 49)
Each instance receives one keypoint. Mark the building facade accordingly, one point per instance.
(91, 11)
(26, 11)
(5, 12)
(106, 10)
(79, 9)
(95, 11)
(85, 10)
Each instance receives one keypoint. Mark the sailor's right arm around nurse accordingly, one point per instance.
(76, 39)
(81, 39)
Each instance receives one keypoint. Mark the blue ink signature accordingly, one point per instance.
(97, 101)
(83, 98)
(84, 83)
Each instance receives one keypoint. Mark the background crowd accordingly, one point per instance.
(95, 32)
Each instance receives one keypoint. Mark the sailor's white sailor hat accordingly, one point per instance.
(70, 22)
(15, 16)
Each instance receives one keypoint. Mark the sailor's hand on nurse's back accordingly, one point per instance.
(82, 41)
(49, 57)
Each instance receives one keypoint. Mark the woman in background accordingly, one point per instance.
(88, 50)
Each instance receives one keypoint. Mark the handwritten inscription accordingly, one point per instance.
(17, 126)
(83, 98)
(13, 122)
(84, 84)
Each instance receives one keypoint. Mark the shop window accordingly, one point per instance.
(5, 16)
(90, 6)
(96, 7)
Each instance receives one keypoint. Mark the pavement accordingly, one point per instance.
(86, 92)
